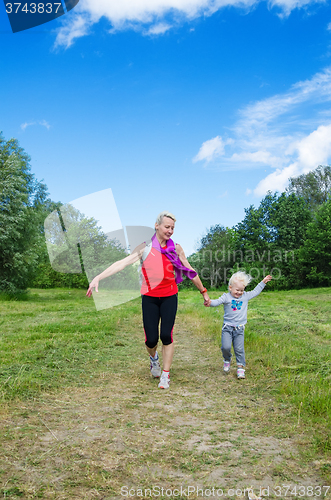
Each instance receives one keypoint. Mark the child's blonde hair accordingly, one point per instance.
(240, 276)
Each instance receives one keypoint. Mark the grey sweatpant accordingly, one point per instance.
(233, 335)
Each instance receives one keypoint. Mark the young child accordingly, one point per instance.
(235, 317)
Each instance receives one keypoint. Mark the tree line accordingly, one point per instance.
(287, 235)
(24, 257)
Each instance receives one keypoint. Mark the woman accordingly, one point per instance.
(162, 265)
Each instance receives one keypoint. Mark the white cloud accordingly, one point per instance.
(224, 195)
(77, 26)
(264, 112)
(26, 125)
(288, 132)
(277, 181)
(137, 14)
(263, 157)
(158, 29)
(315, 149)
(288, 5)
(311, 151)
(212, 149)
(43, 123)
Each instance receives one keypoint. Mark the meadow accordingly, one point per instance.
(82, 418)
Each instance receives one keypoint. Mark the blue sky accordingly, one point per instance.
(198, 107)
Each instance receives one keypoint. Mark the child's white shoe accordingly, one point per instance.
(240, 373)
(226, 366)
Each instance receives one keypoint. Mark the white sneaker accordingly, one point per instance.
(164, 381)
(240, 373)
(155, 367)
(226, 366)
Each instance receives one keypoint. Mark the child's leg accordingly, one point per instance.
(238, 345)
(227, 342)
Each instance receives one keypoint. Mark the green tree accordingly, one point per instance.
(255, 231)
(315, 254)
(270, 235)
(22, 199)
(253, 238)
(77, 250)
(288, 220)
(215, 256)
(314, 187)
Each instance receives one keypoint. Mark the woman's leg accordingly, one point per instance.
(151, 319)
(168, 312)
(167, 356)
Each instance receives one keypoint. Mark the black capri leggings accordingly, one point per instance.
(154, 309)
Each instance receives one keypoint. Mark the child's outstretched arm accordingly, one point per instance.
(258, 289)
(216, 302)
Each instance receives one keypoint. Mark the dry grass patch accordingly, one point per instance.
(207, 430)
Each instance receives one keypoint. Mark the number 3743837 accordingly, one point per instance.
(33, 8)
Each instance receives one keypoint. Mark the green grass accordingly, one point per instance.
(288, 349)
(81, 415)
(54, 338)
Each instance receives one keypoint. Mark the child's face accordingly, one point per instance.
(237, 289)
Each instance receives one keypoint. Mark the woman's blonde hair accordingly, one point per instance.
(165, 213)
(240, 276)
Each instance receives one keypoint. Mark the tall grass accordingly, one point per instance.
(288, 351)
(55, 338)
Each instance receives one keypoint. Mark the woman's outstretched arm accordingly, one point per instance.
(116, 267)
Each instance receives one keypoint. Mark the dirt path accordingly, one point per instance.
(123, 436)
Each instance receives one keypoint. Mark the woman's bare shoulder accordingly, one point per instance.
(139, 249)
(179, 248)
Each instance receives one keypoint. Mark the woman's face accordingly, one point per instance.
(166, 229)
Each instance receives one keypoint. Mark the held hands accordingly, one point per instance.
(267, 278)
(94, 284)
(207, 300)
